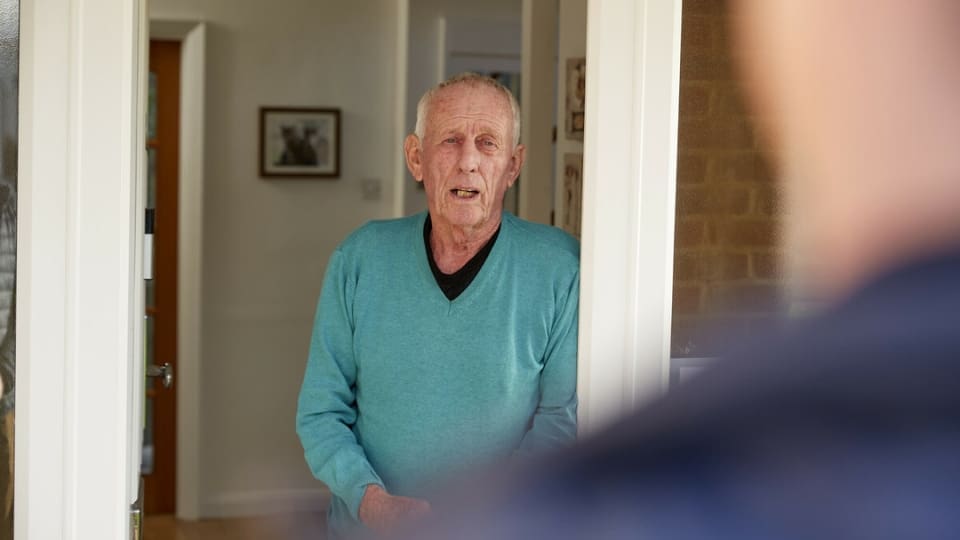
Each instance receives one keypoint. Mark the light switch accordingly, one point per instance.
(371, 189)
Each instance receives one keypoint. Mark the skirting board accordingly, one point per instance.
(266, 502)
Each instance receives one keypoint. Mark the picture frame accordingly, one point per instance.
(576, 86)
(572, 203)
(299, 142)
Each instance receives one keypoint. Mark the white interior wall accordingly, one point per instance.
(426, 58)
(266, 242)
(539, 108)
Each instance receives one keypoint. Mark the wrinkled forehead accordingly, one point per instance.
(466, 101)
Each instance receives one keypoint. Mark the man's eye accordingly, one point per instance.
(450, 140)
(488, 143)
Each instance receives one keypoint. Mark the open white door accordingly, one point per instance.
(80, 292)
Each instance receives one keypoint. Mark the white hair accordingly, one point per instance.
(472, 79)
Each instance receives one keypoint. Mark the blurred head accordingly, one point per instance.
(861, 99)
(465, 151)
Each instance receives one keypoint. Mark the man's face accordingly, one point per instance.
(466, 159)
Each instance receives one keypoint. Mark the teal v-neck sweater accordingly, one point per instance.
(404, 387)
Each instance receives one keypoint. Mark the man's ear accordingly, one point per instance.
(414, 156)
(516, 163)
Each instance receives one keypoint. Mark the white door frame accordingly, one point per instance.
(630, 148)
(79, 292)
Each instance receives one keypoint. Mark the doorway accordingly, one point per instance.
(159, 464)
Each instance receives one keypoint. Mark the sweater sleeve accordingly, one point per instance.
(554, 422)
(327, 406)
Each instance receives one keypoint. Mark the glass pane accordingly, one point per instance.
(727, 277)
(152, 107)
(151, 293)
(9, 75)
(148, 346)
(151, 177)
(146, 463)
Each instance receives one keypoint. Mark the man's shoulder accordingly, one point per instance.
(541, 240)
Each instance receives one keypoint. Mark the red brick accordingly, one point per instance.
(691, 168)
(762, 171)
(726, 266)
(715, 134)
(733, 134)
(726, 101)
(733, 167)
(705, 66)
(689, 233)
(709, 7)
(693, 134)
(694, 100)
(697, 32)
(748, 233)
(766, 266)
(687, 266)
(712, 234)
(687, 299)
(707, 265)
(767, 201)
(690, 201)
(747, 165)
(746, 298)
(727, 200)
(722, 35)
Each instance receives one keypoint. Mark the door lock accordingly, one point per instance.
(165, 372)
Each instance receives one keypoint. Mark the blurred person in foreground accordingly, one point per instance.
(848, 424)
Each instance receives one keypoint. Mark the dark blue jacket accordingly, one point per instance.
(845, 426)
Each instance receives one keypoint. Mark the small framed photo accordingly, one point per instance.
(299, 142)
(572, 203)
(576, 83)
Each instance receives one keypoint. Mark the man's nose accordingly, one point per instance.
(468, 158)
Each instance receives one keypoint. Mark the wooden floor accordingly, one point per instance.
(304, 526)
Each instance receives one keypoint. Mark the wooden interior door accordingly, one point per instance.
(163, 140)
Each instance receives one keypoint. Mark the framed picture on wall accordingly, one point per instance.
(299, 142)
(572, 202)
(576, 83)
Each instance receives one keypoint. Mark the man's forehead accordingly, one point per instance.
(482, 102)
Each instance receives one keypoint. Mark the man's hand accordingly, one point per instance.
(383, 512)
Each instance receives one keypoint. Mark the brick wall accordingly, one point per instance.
(727, 279)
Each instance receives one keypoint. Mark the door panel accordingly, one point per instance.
(163, 129)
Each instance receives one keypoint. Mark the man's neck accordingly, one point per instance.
(454, 246)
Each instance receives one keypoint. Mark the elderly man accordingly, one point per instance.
(847, 426)
(446, 339)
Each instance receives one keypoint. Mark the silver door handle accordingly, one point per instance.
(165, 372)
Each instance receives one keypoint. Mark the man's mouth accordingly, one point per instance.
(465, 193)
